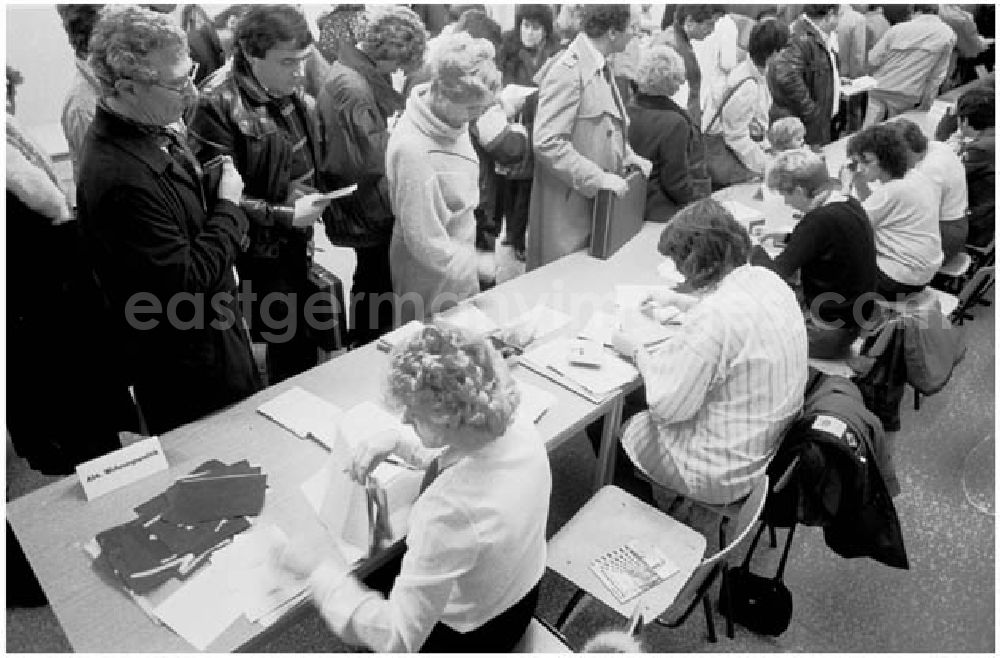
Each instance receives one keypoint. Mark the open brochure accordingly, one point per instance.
(554, 360)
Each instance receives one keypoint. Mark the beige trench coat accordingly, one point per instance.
(580, 132)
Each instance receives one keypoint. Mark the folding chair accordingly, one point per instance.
(973, 293)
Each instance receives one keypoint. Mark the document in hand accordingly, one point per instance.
(616, 219)
(858, 85)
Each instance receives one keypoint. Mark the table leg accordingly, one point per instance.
(609, 443)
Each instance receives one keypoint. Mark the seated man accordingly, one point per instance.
(904, 210)
(833, 248)
(943, 167)
(722, 392)
(977, 122)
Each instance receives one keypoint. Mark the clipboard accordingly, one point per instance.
(617, 220)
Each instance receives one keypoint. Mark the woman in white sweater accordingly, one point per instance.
(476, 546)
(433, 175)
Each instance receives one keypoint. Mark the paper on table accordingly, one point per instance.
(302, 413)
(202, 608)
(599, 382)
(668, 271)
(601, 327)
(629, 296)
(749, 218)
(250, 575)
(469, 318)
(534, 401)
(534, 325)
(340, 502)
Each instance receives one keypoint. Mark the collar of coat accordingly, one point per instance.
(140, 141)
(387, 99)
(251, 87)
(658, 103)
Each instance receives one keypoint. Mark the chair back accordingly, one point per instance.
(750, 512)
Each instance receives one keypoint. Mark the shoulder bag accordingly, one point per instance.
(724, 167)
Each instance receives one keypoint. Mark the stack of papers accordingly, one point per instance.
(177, 529)
(552, 360)
(535, 325)
(637, 324)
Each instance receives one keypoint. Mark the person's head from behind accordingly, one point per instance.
(464, 79)
(533, 24)
(825, 17)
(705, 242)
(568, 22)
(609, 24)
(767, 39)
(660, 72)
(878, 153)
(976, 111)
(478, 25)
(895, 14)
(913, 136)
(925, 9)
(453, 387)
(141, 59)
(394, 37)
(697, 21)
(798, 175)
(79, 22)
(455, 11)
(786, 134)
(275, 40)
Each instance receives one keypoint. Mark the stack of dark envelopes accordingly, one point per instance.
(175, 531)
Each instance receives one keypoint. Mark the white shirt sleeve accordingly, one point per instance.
(442, 545)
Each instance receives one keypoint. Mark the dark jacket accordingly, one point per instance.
(839, 481)
(236, 117)
(801, 82)
(353, 108)
(519, 64)
(662, 132)
(675, 37)
(979, 157)
(150, 235)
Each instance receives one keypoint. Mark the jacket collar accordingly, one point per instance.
(249, 84)
(132, 138)
(87, 73)
(591, 58)
(658, 103)
(419, 112)
(387, 99)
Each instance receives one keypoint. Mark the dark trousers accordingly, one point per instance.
(278, 316)
(893, 290)
(371, 294)
(499, 635)
(515, 195)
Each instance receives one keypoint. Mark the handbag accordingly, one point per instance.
(760, 604)
(724, 167)
(326, 320)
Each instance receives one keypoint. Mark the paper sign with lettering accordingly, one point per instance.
(121, 467)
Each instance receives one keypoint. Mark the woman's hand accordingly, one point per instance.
(372, 452)
(665, 297)
(300, 558)
(625, 343)
(614, 182)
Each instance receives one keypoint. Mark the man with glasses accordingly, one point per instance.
(163, 245)
(254, 110)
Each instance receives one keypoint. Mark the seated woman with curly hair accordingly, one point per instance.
(476, 548)
(722, 392)
(904, 210)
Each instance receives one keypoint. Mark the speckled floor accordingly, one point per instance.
(944, 603)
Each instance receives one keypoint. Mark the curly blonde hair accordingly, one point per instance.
(462, 69)
(123, 39)
(394, 33)
(787, 133)
(453, 379)
(661, 71)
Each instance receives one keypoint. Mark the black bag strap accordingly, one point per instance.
(779, 576)
(722, 105)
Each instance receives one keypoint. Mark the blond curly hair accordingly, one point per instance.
(394, 33)
(453, 379)
(462, 69)
(123, 39)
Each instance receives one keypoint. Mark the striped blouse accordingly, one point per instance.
(722, 393)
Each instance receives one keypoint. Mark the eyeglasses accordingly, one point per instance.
(180, 88)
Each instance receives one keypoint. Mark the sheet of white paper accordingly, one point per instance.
(343, 508)
(600, 328)
(598, 382)
(515, 95)
(301, 413)
(363, 420)
(858, 85)
(632, 296)
(534, 325)
(534, 401)
(201, 609)
(668, 272)
(469, 318)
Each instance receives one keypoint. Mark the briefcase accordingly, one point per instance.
(617, 219)
(325, 310)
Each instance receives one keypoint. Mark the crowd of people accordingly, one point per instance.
(206, 150)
